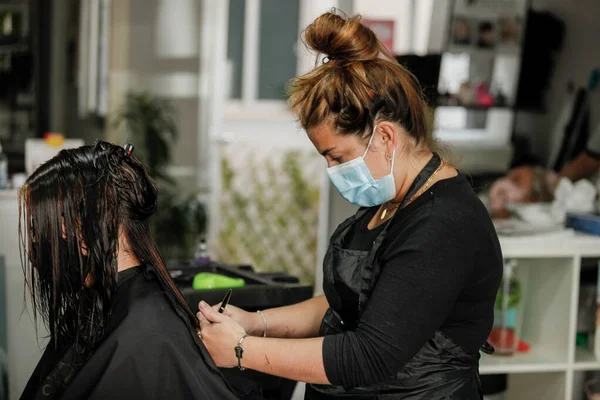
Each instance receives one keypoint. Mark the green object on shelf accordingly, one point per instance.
(514, 294)
(207, 280)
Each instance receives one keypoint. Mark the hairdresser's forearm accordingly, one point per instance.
(583, 166)
(295, 359)
(300, 320)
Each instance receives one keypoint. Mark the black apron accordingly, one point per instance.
(440, 370)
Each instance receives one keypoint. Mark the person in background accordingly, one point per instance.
(586, 164)
(410, 280)
(119, 328)
(536, 184)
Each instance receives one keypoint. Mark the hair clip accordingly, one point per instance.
(129, 149)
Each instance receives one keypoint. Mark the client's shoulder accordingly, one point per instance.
(151, 314)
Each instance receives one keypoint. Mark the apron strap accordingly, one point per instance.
(429, 169)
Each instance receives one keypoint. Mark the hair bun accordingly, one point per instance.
(339, 38)
(138, 193)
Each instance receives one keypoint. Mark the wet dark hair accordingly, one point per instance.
(72, 210)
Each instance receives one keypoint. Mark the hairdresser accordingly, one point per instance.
(410, 280)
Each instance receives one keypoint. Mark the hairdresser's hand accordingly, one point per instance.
(251, 322)
(220, 335)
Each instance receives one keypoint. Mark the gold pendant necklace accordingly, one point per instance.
(423, 188)
(386, 208)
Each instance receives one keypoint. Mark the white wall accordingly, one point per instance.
(398, 10)
(417, 23)
(138, 62)
(439, 26)
(309, 11)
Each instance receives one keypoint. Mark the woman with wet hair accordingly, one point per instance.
(118, 326)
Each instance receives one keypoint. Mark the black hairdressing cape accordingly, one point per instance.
(150, 351)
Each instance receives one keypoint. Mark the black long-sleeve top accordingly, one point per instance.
(441, 268)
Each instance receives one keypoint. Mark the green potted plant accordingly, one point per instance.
(150, 125)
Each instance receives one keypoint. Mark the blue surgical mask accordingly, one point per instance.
(355, 183)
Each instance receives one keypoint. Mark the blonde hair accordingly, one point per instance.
(358, 83)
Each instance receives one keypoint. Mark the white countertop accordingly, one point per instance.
(550, 246)
(9, 194)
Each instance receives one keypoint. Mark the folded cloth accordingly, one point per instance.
(569, 197)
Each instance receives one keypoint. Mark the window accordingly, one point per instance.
(262, 39)
(235, 47)
(278, 39)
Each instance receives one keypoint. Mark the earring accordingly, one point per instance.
(389, 159)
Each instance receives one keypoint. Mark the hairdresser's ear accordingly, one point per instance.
(388, 133)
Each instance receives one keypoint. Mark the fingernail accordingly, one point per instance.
(203, 304)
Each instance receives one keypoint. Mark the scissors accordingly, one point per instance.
(225, 302)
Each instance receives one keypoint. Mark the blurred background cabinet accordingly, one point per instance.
(554, 367)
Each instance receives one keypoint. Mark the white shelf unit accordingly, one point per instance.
(554, 367)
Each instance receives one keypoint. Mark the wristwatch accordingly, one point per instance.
(239, 351)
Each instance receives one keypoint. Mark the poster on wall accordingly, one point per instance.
(487, 24)
(384, 29)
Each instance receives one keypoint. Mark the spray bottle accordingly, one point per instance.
(201, 257)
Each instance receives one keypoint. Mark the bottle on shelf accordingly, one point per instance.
(3, 169)
(201, 256)
(500, 98)
(508, 312)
